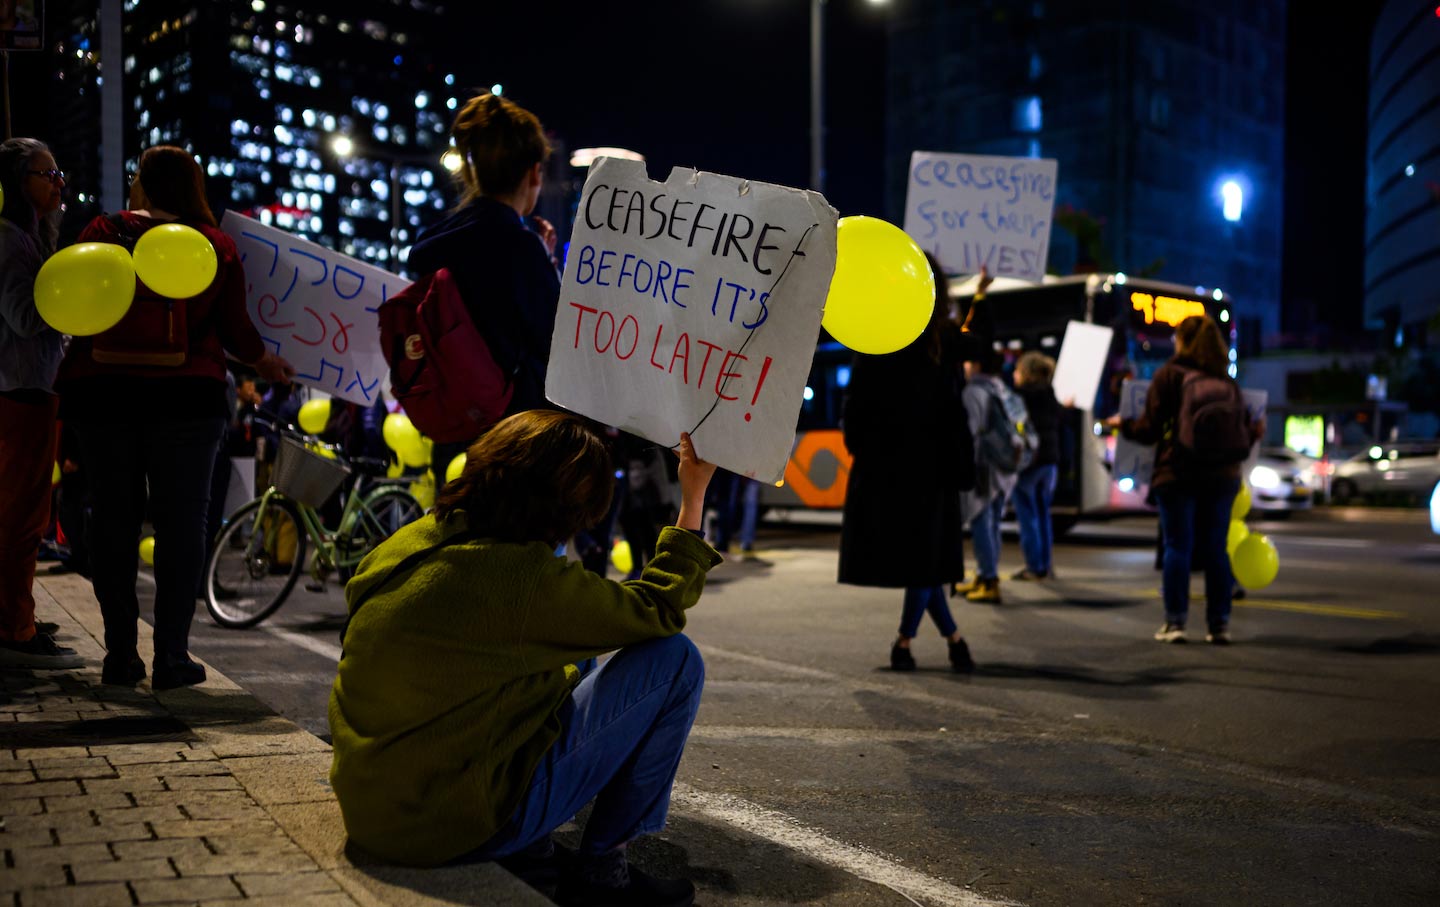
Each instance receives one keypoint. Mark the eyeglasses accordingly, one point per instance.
(50, 176)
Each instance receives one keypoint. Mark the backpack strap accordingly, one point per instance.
(409, 562)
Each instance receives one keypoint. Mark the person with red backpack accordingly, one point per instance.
(503, 273)
(1196, 417)
(148, 401)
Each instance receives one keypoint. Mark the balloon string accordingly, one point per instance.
(796, 253)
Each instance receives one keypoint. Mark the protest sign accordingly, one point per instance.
(970, 210)
(1136, 461)
(316, 308)
(1082, 360)
(693, 305)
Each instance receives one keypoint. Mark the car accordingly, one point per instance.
(1409, 470)
(1282, 481)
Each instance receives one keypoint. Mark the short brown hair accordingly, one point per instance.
(498, 142)
(539, 475)
(168, 178)
(1035, 368)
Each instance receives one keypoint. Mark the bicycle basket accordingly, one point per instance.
(304, 476)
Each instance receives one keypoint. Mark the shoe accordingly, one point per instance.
(46, 627)
(640, 890)
(122, 672)
(1238, 593)
(963, 587)
(1169, 632)
(1028, 575)
(901, 659)
(541, 871)
(986, 592)
(39, 651)
(1219, 636)
(171, 674)
(960, 660)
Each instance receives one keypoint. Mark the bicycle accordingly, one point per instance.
(261, 548)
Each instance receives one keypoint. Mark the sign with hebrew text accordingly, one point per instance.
(316, 308)
(693, 305)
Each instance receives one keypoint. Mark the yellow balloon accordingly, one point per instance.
(147, 550)
(398, 431)
(423, 489)
(54, 473)
(414, 453)
(175, 260)
(1242, 503)
(1255, 562)
(883, 292)
(86, 288)
(314, 414)
(322, 450)
(457, 465)
(395, 470)
(621, 557)
(1237, 533)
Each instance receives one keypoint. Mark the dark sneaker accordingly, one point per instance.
(960, 660)
(541, 871)
(123, 671)
(641, 890)
(1219, 636)
(901, 659)
(39, 651)
(1169, 632)
(46, 627)
(1027, 575)
(172, 674)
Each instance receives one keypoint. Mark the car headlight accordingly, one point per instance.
(1264, 477)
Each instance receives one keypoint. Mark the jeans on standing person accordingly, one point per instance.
(919, 600)
(623, 732)
(1034, 491)
(737, 502)
(1183, 511)
(175, 459)
(985, 528)
(27, 458)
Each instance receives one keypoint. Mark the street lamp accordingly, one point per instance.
(817, 92)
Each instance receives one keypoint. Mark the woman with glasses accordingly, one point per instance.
(148, 402)
(30, 353)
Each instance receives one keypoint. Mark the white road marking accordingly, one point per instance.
(329, 650)
(869, 865)
(1325, 543)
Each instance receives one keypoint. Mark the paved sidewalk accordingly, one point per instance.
(194, 796)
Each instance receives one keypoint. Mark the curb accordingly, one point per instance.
(220, 752)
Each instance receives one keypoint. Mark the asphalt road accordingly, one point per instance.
(1083, 763)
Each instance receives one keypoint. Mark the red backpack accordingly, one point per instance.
(441, 369)
(154, 331)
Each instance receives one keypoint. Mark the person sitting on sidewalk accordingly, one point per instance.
(461, 726)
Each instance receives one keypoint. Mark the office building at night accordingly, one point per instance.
(1402, 224)
(1166, 120)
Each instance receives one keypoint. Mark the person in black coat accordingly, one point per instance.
(905, 426)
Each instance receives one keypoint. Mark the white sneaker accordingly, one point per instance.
(39, 651)
(1169, 632)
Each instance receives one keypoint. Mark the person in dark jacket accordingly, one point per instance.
(505, 271)
(1195, 496)
(905, 427)
(1035, 487)
(165, 449)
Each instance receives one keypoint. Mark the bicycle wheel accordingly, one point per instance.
(254, 565)
(381, 514)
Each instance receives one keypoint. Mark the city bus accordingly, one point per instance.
(1143, 314)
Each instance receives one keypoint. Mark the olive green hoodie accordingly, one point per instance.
(454, 672)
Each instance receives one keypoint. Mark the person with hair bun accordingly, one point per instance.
(504, 269)
(461, 725)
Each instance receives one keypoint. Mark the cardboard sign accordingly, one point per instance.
(693, 305)
(970, 210)
(316, 308)
(1136, 461)
(1082, 361)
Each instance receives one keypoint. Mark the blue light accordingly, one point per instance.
(398, 60)
(809, 393)
(1127, 484)
(842, 376)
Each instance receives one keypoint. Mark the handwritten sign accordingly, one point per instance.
(316, 308)
(1082, 361)
(970, 210)
(693, 305)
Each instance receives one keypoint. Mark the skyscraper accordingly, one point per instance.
(1166, 119)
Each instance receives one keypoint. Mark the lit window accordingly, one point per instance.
(308, 117)
(422, 100)
(1233, 200)
(381, 189)
(382, 113)
(283, 136)
(1028, 116)
(381, 133)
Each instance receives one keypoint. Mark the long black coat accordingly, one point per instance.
(913, 454)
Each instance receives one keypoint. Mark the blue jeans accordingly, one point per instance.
(921, 599)
(623, 730)
(738, 505)
(1033, 492)
(986, 531)
(1195, 522)
(167, 464)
